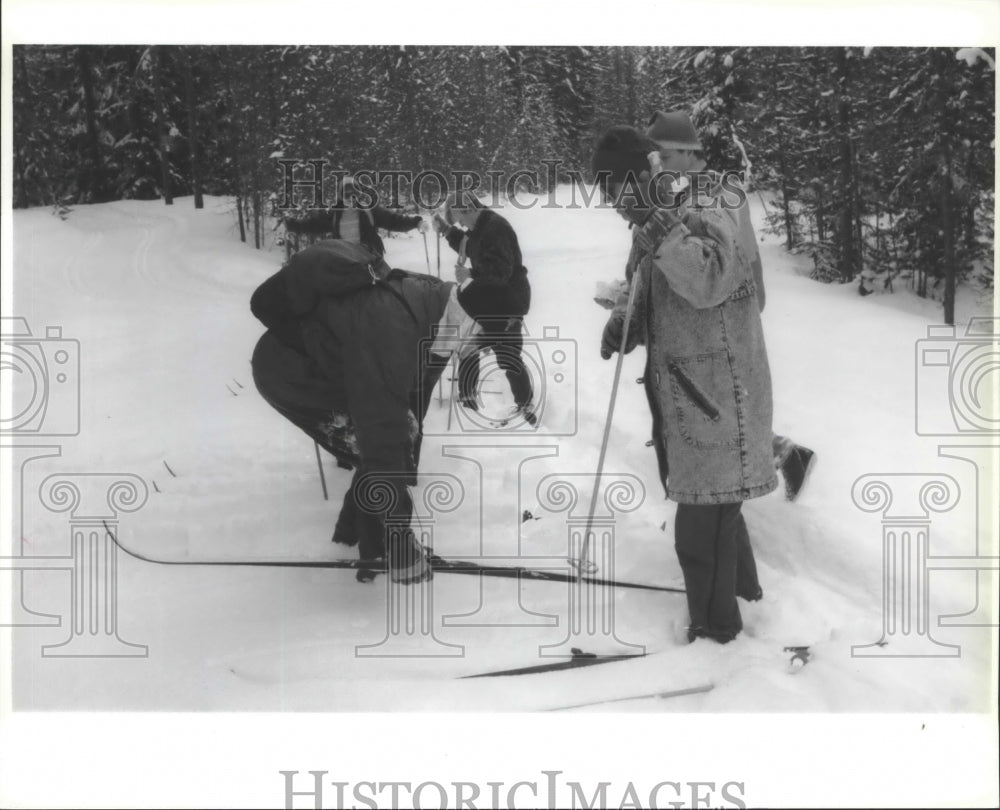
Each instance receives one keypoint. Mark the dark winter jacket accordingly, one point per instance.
(366, 344)
(499, 286)
(327, 222)
(707, 378)
(371, 220)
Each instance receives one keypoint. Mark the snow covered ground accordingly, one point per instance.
(158, 299)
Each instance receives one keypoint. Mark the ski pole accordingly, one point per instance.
(322, 475)
(454, 378)
(427, 253)
(583, 564)
(456, 361)
(440, 384)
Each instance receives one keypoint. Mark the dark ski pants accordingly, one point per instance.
(374, 509)
(364, 519)
(714, 551)
(285, 380)
(503, 337)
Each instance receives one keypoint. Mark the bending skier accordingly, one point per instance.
(346, 358)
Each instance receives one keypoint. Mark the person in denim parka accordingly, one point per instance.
(707, 377)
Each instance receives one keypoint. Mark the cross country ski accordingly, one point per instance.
(438, 564)
(578, 658)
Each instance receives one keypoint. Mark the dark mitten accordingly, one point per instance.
(611, 340)
(346, 529)
(656, 228)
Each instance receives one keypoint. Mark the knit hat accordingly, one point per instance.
(673, 130)
(464, 200)
(620, 151)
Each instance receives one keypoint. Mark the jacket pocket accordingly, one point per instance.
(704, 399)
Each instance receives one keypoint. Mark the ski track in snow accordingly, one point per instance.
(159, 299)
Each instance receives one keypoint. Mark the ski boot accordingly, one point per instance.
(795, 468)
(527, 413)
(409, 561)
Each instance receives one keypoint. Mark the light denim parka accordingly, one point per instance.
(707, 377)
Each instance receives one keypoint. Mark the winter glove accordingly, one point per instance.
(611, 340)
(461, 273)
(661, 222)
(611, 294)
(423, 227)
(441, 225)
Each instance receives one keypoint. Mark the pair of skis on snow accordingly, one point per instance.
(578, 657)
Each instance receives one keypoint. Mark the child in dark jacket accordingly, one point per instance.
(353, 222)
(494, 291)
